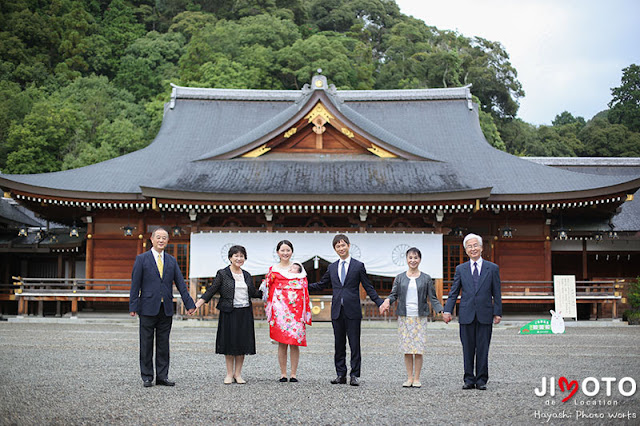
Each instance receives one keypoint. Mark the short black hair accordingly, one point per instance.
(414, 250)
(237, 249)
(340, 237)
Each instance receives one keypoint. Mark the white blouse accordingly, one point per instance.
(412, 298)
(241, 295)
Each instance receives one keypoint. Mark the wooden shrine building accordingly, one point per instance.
(322, 160)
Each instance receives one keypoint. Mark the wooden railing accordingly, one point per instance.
(71, 289)
(599, 293)
(26, 290)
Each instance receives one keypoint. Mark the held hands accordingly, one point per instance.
(497, 319)
(446, 317)
(384, 307)
(199, 303)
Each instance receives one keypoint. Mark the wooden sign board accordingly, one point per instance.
(564, 291)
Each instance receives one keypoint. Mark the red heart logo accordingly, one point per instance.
(572, 386)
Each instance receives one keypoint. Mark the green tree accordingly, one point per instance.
(407, 38)
(490, 131)
(67, 128)
(494, 79)
(565, 118)
(38, 143)
(625, 105)
(246, 48)
(15, 106)
(149, 62)
(326, 51)
(603, 139)
(190, 23)
(519, 137)
(118, 29)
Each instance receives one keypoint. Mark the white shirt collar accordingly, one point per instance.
(156, 253)
(346, 261)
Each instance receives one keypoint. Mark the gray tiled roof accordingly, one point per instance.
(432, 124)
(318, 176)
(628, 219)
(17, 215)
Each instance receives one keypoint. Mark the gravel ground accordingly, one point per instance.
(77, 372)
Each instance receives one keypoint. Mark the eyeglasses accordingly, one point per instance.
(473, 246)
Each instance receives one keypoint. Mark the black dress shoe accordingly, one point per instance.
(293, 380)
(340, 380)
(354, 381)
(147, 383)
(283, 380)
(165, 382)
(481, 387)
(468, 386)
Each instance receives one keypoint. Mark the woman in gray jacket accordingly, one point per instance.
(412, 289)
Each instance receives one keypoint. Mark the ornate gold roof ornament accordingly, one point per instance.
(382, 153)
(319, 111)
(348, 133)
(257, 152)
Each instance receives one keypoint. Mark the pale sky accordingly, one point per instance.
(568, 53)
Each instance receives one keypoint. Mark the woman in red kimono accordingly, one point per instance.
(288, 308)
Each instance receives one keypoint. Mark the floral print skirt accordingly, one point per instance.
(412, 334)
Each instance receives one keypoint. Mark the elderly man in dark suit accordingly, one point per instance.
(345, 276)
(480, 306)
(151, 297)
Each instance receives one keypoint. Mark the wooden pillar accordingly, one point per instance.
(60, 266)
(141, 234)
(439, 282)
(584, 260)
(495, 250)
(61, 273)
(89, 260)
(194, 289)
(548, 269)
(74, 307)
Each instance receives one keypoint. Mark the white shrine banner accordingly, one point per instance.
(382, 253)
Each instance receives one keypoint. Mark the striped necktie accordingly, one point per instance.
(476, 275)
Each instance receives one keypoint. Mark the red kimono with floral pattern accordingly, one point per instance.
(288, 307)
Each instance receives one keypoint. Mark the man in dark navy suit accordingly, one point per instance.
(151, 297)
(480, 306)
(345, 276)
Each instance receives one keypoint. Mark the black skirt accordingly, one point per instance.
(236, 335)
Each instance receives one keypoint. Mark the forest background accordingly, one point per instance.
(83, 81)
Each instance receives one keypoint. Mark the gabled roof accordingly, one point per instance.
(440, 150)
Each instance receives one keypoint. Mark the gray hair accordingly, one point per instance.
(159, 228)
(470, 237)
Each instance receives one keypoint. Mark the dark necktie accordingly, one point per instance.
(342, 273)
(476, 275)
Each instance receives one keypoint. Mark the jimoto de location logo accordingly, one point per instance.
(591, 398)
